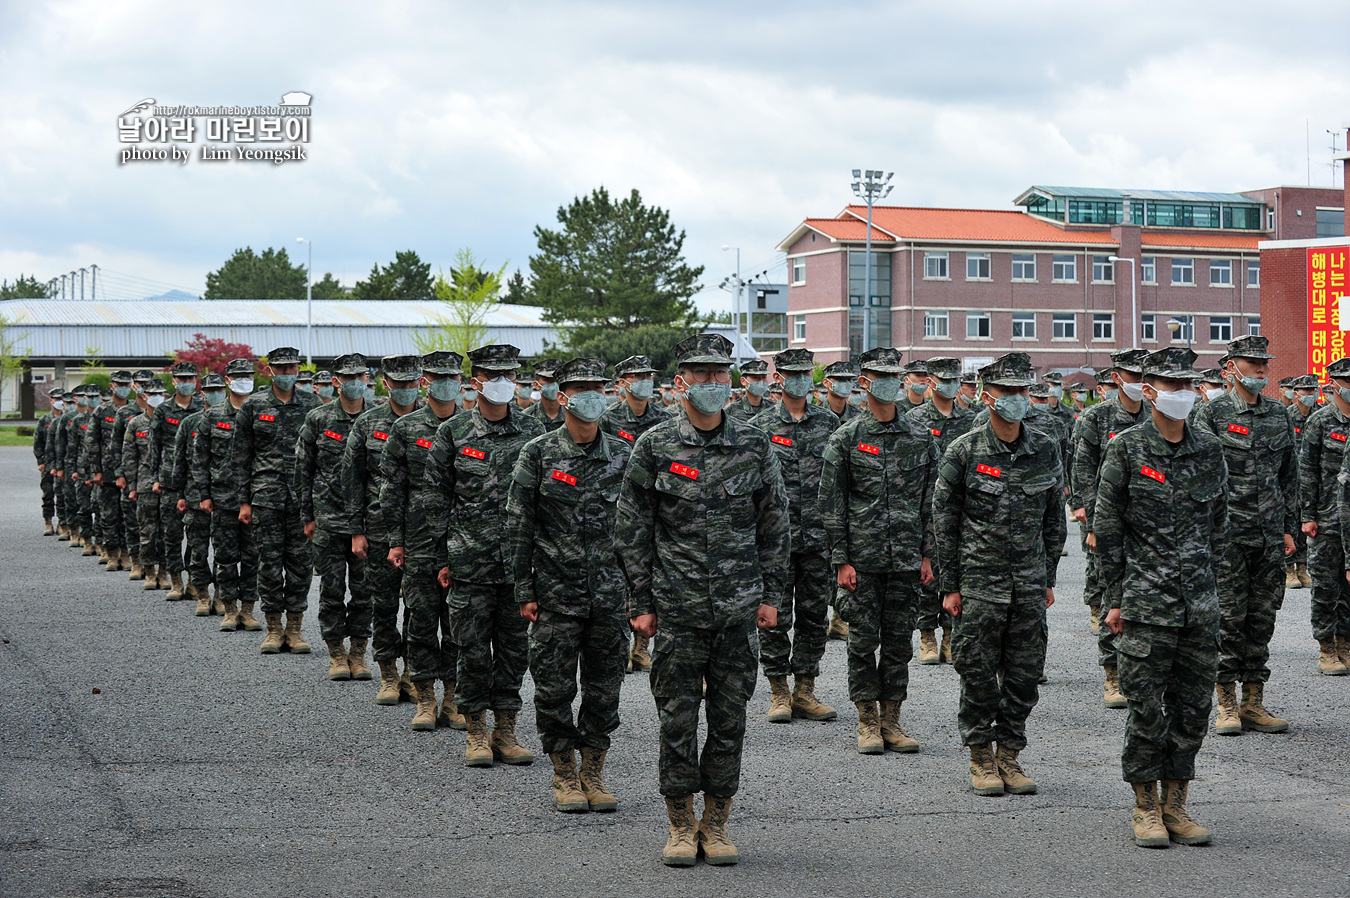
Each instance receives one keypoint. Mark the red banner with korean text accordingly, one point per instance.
(1328, 282)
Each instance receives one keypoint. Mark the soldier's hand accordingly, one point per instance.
(245, 513)
(767, 617)
(1288, 544)
(1113, 621)
(847, 578)
(1092, 542)
(42, 469)
(207, 505)
(644, 625)
(121, 483)
(182, 505)
(98, 478)
(155, 488)
(59, 475)
(1049, 596)
(360, 545)
(443, 577)
(951, 603)
(132, 495)
(530, 611)
(395, 556)
(309, 530)
(926, 571)
(1310, 528)
(1080, 515)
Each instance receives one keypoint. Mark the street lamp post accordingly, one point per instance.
(736, 303)
(1175, 324)
(869, 186)
(309, 299)
(1134, 302)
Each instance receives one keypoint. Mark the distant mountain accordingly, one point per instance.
(173, 296)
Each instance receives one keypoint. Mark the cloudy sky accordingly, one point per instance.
(444, 125)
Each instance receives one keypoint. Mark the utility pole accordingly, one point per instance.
(869, 186)
(309, 299)
(93, 282)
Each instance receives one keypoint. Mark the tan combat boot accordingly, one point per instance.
(505, 746)
(103, 557)
(151, 577)
(90, 548)
(356, 659)
(229, 621)
(274, 640)
(1095, 618)
(567, 794)
(682, 847)
(48, 530)
(1304, 580)
(337, 661)
(1254, 713)
(136, 572)
(1180, 827)
(217, 603)
(806, 705)
(448, 715)
(712, 832)
(175, 588)
(1343, 649)
(1329, 659)
(62, 533)
(640, 659)
(1149, 831)
(425, 718)
(593, 780)
(984, 778)
(780, 700)
(388, 694)
(203, 607)
(928, 647)
(1291, 580)
(246, 619)
(1112, 697)
(838, 629)
(295, 639)
(869, 729)
(162, 578)
(1015, 779)
(945, 652)
(1227, 722)
(477, 744)
(406, 691)
(893, 735)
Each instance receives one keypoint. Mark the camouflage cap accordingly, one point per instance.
(284, 355)
(401, 367)
(1040, 390)
(635, 364)
(1052, 377)
(547, 367)
(1252, 346)
(882, 360)
(1078, 387)
(1304, 382)
(1215, 376)
(704, 349)
(970, 377)
(121, 377)
(183, 369)
(323, 375)
(841, 370)
(944, 368)
(495, 357)
(1175, 362)
(916, 366)
(213, 382)
(1131, 360)
(800, 360)
(1011, 369)
(143, 376)
(238, 367)
(307, 377)
(1339, 369)
(56, 393)
(1103, 377)
(1223, 360)
(1284, 381)
(444, 361)
(582, 370)
(154, 387)
(351, 363)
(755, 366)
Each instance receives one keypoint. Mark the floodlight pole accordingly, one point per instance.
(309, 299)
(870, 188)
(1134, 302)
(736, 305)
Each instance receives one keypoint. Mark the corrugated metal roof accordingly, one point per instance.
(222, 312)
(1109, 193)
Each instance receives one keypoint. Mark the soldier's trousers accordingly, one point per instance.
(171, 531)
(1165, 674)
(48, 495)
(1092, 590)
(338, 568)
(285, 564)
(560, 646)
(147, 519)
(131, 530)
(197, 528)
(59, 500)
(1301, 550)
(111, 534)
(383, 582)
(84, 497)
(931, 613)
(810, 582)
(1330, 591)
(493, 642)
(683, 658)
(881, 614)
(236, 557)
(999, 651)
(430, 646)
(1251, 591)
(71, 513)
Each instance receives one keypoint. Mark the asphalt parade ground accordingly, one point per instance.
(144, 753)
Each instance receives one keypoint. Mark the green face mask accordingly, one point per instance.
(948, 388)
(708, 398)
(798, 386)
(351, 389)
(757, 388)
(588, 405)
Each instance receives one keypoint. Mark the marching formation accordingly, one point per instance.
(474, 525)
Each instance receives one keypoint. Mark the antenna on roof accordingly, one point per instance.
(1334, 136)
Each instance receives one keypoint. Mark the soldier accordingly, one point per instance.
(78, 494)
(1321, 488)
(560, 526)
(467, 480)
(1078, 395)
(968, 397)
(755, 381)
(841, 379)
(1042, 415)
(361, 481)
(323, 384)
(1160, 520)
(217, 489)
(546, 410)
(304, 382)
(102, 448)
(876, 493)
(42, 433)
(1066, 415)
(468, 400)
(1286, 392)
(1098, 425)
(1304, 389)
(946, 420)
(131, 531)
(263, 456)
(524, 394)
(999, 527)
(798, 433)
(1258, 445)
(136, 468)
(318, 484)
(915, 386)
(164, 423)
(414, 535)
(183, 482)
(703, 534)
(1212, 385)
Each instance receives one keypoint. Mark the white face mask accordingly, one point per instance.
(1214, 393)
(499, 390)
(1175, 404)
(58, 404)
(241, 386)
(1134, 391)
(155, 400)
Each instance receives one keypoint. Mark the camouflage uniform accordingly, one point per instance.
(196, 523)
(742, 410)
(131, 533)
(999, 524)
(619, 420)
(1321, 487)
(1298, 419)
(102, 450)
(213, 469)
(164, 424)
(41, 434)
(703, 536)
(136, 470)
(69, 439)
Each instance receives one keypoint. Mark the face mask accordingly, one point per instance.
(214, 397)
(1135, 392)
(917, 389)
(855, 400)
(523, 391)
(1308, 401)
(884, 389)
(1215, 392)
(284, 382)
(708, 398)
(588, 406)
(185, 389)
(58, 404)
(1080, 397)
(1109, 394)
(1175, 404)
(351, 389)
(327, 392)
(549, 392)
(1012, 408)
(1344, 393)
(640, 389)
(499, 390)
(535, 395)
(370, 392)
(798, 386)
(1254, 385)
(1056, 392)
(469, 396)
(1287, 394)
(121, 392)
(948, 388)
(841, 388)
(155, 400)
(446, 390)
(757, 388)
(403, 396)
(241, 386)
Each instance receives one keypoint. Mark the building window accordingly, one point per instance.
(1254, 326)
(1065, 268)
(1148, 270)
(1220, 272)
(1024, 325)
(878, 310)
(1103, 270)
(1220, 329)
(1182, 328)
(977, 325)
(977, 267)
(1330, 223)
(1024, 267)
(935, 324)
(1148, 328)
(1183, 272)
(1253, 272)
(935, 265)
(1103, 327)
(1064, 327)
(798, 271)
(799, 327)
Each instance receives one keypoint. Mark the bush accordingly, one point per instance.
(24, 430)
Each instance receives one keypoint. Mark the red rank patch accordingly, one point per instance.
(988, 469)
(380, 435)
(84, 427)
(194, 433)
(1238, 428)
(424, 443)
(782, 441)
(935, 432)
(173, 421)
(1110, 436)
(333, 435)
(627, 436)
(142, 434)
(473, 453)
(684, 470)
(1298, 430)
(564, 477)
(1156, 475)
(224, 425)
(870, 450)
(267, 417)
(1337, 436)
(109, 420)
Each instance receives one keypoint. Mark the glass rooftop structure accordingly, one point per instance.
(1148, 208)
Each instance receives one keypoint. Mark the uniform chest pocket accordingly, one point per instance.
(1333, 441)
(868, 471)
(471, 475)
(560, 486)
(331, 444)
(676, 487)
(984, 492)
(1204, 492)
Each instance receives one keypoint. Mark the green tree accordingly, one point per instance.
(248, 275)
(12, 356)
(612, 265)
(407, 277)
(518, 292)
(328, 288)
(654, 340)
(24, 287)
(467, 296)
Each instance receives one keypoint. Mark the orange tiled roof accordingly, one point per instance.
(848, 229)
(985, 225)
(1200, 241)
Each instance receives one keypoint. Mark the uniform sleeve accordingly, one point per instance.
(1289, 482)
(438, 489)
(1082, 479)
(119, 432)
(635, 527)
(929, 542)
(1218, 534)
(352, 478)
(178, 468)
(1054, 528)
(773, 533)
(40, 440)
(834, 489)
(949, 501)
(128, 460)
(1113, 498)
(241, 455)
(93, 443)
(302, 483)
(1310, 469)
(522, 505)
(394, 491)
(156, 449)
(200, 468)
